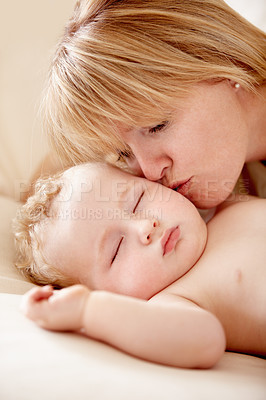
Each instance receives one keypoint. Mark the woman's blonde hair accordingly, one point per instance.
(128, 61)
(28, 231)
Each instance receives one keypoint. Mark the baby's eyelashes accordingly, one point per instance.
(138, 202)
(117, 250)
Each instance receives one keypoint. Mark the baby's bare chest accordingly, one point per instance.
(234, 289)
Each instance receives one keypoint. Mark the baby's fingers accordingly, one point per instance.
(33, 298)
(39, 293)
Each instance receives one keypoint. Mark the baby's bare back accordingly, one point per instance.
(230, 278)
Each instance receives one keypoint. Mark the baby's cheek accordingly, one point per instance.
(134, 280)
(151, 279)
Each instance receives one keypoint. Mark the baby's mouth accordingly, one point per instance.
(169, 240)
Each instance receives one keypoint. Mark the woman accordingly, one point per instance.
(176, 89)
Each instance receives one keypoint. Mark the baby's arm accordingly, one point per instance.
(169, 331)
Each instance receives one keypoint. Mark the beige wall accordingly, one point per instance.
(253, 10)
(29, 30)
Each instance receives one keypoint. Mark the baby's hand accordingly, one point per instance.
(60, 310)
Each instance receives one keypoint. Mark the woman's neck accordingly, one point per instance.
(256, 119)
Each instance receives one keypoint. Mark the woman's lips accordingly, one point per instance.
(182, 187)
(169, 240)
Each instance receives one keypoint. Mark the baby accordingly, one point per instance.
(128, 245)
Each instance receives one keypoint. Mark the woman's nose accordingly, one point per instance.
(146, 229)
(149, 165)
(153, 172)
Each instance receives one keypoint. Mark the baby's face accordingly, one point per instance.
(122, 233)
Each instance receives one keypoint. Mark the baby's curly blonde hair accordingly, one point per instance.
(28, 232)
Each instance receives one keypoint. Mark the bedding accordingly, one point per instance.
(37, 364)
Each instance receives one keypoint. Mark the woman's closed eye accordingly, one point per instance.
(123, 154)
(158, 127)
(127, 153)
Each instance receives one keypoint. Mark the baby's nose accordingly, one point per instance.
(147, 229)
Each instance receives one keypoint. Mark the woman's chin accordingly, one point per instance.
(207, 200)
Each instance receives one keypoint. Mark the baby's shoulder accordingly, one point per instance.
(239, 217)
(242, 209)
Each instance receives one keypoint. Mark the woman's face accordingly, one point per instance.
(200, 150)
